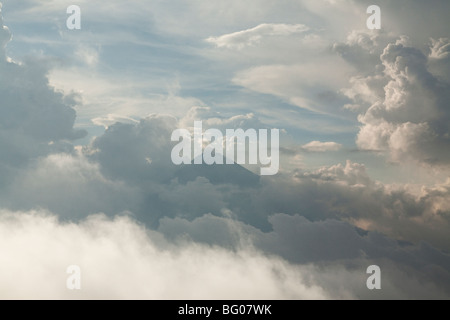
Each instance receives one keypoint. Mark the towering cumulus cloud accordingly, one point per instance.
(412, 118)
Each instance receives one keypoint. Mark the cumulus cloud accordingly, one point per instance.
(30, 107)
(125, 147)
(336, 245)
(410, 119)
(439, 58)
(362, 49)
(70, 185)
(35, 119)
(348, 192)
(127, 169)
(440, 48)
(344, 192)
(121, 260)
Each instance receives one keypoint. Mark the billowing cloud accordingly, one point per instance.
(35, 119)
(120, 259)
(336, 245)
(70, 185)
(410, 117)
(439, 58)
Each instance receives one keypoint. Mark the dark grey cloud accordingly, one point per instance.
(407, 269)
(137, 153)
(140, 156)
(69, 185)
(129, 169)
(35, 119)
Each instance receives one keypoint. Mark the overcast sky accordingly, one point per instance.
(86, 118)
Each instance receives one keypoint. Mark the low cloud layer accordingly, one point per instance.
(121, 260)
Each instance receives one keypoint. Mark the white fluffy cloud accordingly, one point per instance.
(121, 260)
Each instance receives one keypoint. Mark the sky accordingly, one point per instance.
(86, 118)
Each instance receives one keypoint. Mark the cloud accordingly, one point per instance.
(111, 119)
(331, 244)
(308, 86)
(253, 36)
(410, 120)
(220, 231)
(121, 260)
(362, 49)
(129, 169)
(139, 154)
(5, 36)
(125, 147)
(88, 56)
(348, 192)
(439, 58)
(214, 119)
(35, 119)
(440, 49)
(317, 146)
(70, 185)
(296, 65)
(107, 100)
